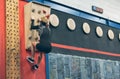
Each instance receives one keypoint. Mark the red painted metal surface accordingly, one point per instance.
(26, 72)
(2, 39)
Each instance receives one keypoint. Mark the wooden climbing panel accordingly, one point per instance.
(36, 10)
(12, 40)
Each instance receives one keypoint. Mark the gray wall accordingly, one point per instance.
(76, 67)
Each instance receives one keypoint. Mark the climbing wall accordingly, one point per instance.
(90, 51)
(95, 39)
(25, 66)
(36, 11)
(12, 40)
